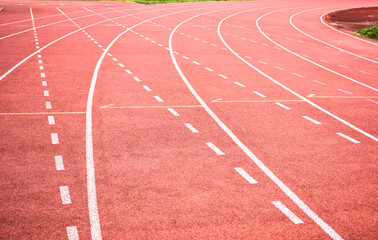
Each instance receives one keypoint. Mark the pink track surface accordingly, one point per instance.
(189, 100)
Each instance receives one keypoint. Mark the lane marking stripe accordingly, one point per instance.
(241, 85)
(283, 106)
(214, 148)
(191, 128)
(72, 233)
(65, 195)
(171, 110)
(259, 94)
(48, 105)
(59, 162)
(347, 137)
(147, 88)
(246, 175)
(287, 212)
(137, 79)
(51, 120)
(312, 120)
(158, 99)
(54, 138)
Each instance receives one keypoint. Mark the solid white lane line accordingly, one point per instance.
(46, 93)
(246, 175)
(43, 75)
(241, 85)
(197, 63)
(171, 110)
(137, 79)
(128, 71)
(147, 88)
(312, 120)
(367, 73)
(342, 66)
(279, 68)
(223, 76)
(287, 212)
(296, 74)
(259, 94)
(262, 62)
(209, 69)
(214, 148)
(158, 99)
(371, 100)
(341, 90)
(48, 105)
(283, 106)
(319, 82)
(65, 195)
(59, 162)
(347, 137)
(44, 83)
(121, 65)
(54, 138)
(72, 233)
(191, 128)
(51, 120)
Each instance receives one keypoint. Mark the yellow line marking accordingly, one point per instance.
(138, 107)
(107, 106)
(41, 113)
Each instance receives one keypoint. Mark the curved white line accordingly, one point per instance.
(91, 185)
(340, 49)
(56, 40)
(244, 148)
(350, 35)
(306, 59)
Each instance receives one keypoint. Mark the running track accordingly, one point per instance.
(212, 120)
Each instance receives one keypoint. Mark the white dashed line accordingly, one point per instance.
(312, 120)
(223, 76)
(109, 54)
(51, 120)
(158, 99)
(147, 88)
(65, 195)
(341, 90)
(43, 75)
(72, 233)
(266, 45)
(323, 60)
(306, 56)
(128, 71)
(347, 137)
(262, 62)
(185, 57)
(214, 148)
(259, 94)
(371, 100)
(137, 79)
(287, 212)
(209, 69)
(241, 85)
(171, 110)
(283, 106)
(197, 63)
(46, 93)
(39, 56)
(121, 65)
(319, 82)
(366, 73)
(115, 59)
(296, 74)
(59, 162)
(191, 128)
(44, 83)
(40, 61)
(54, 138)
(248, 57)
(48, 105)
(160, 45)
(342, 66)
(246, 175)
(279, 68)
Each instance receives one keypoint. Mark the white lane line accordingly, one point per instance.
(214, 148)
(54, 138)
(259, 94)
(296, 74)
(44, 83)
(262, 62)
(137, 79)
(171, 110)
(214, 45)
(319, 82)
(248, 57)
(371, 100)
(115, 59)
(341, 90)
(287, 212)
(312, 120)
(185, 57)
(209, 69)
(121, 65)
(347, 137)
(197, 63)
(266, 45)
(160, 45)
(223, 76)
(72, 233)
(342, 66)
(176, 53)
(246, 175)
(39, 56)
(191, 128)
(147, 88)
(100, 46)
(167, 48)
(59, 162)
(323, 60)
(43, 75)
(65, 195)
(283, 106)
(40, 61)
(46, 93)
(51, 120)
(37, 47)
(48, 105)
(158, 99)
(128, 71)
(367, 73)
(95, 42)
(241, 85)
(109, 54)
(279, 68)
(41, 68)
